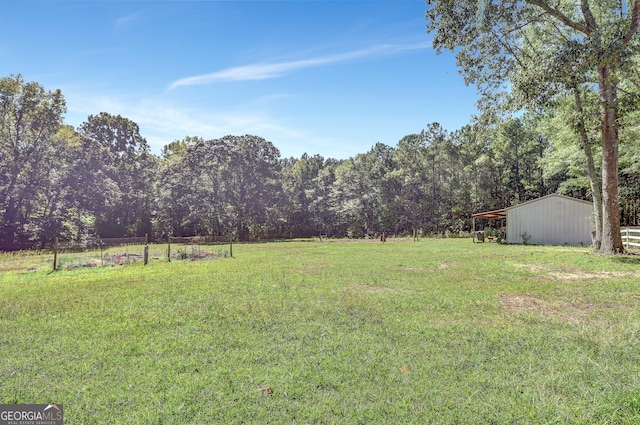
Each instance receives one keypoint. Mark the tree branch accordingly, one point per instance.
(635, 21)
(635, 83)
(561, 16)
(588, 16)
(560, 33)
(525, 24)
(531, 46)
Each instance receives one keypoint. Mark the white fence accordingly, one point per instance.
(630, 237)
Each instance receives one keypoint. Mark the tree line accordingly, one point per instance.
(101, 180)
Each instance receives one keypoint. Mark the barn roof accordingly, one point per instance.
(553, 195)
(502, 214)
(496, 215)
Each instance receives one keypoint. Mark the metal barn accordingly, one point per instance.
(550, 220)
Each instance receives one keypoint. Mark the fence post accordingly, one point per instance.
(169, 248)
(627, 234)
(231, 245)
(55, 254)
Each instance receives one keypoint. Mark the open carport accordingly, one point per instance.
(550, 220)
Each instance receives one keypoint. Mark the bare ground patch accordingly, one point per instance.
(441, 266)
(583, 275)
(564, 312)
(532, 267)
(573, 273)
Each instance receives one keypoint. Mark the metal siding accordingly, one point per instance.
(551, 220)
(514, 225)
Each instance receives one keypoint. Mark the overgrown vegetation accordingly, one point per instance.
(436, 331)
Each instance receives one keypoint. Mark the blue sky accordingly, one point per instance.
(322, 77)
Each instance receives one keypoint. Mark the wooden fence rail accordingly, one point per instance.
(630, 237)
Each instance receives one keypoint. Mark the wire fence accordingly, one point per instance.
(121, 251)
(112, 252)
(115, 252)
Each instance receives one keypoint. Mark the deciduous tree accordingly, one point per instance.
(29, 118)
(118, 162)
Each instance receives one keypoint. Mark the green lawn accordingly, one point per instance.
(436, 331)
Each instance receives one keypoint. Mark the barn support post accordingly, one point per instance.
(473, 230)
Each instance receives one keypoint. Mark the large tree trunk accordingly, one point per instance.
(594, 180)
(611, 238)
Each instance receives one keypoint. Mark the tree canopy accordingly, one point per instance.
(101, 179)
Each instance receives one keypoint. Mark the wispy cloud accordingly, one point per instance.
(162, 119)
(263, 71)
(126, 21)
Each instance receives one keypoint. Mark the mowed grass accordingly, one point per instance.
(429, 332)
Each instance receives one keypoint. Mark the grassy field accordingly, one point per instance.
(430, 332)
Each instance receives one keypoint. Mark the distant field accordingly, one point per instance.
(431, 332)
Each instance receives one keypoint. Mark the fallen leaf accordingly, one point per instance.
(266, 390)
(404, 369)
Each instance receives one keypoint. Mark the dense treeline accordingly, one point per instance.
(101, 180)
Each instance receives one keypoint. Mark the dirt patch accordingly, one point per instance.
(560, 311)
(442, 266)
(555, 249)
(119, 259)
(572, 273)
(582, 275)
(71, 263)
(123, 258)
(532, 267)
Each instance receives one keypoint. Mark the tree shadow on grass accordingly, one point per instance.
(633, 259)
